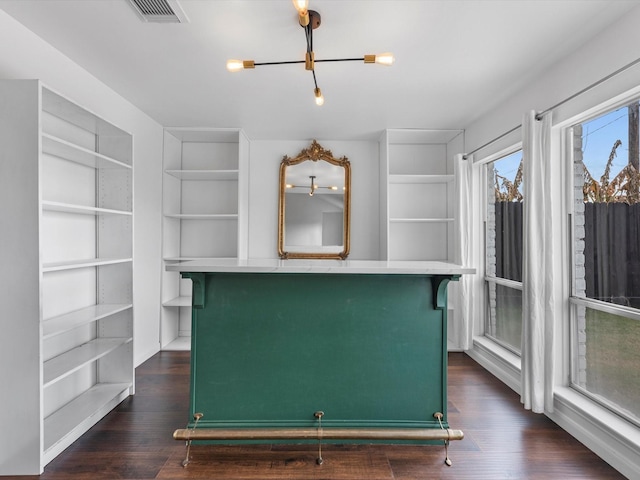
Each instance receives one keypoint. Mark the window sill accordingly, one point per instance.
(608, 435)
(502, 363)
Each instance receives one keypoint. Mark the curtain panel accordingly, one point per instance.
(538, 280)
(464, 171)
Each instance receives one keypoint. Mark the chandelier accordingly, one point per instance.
(310, 20)
(313, 187)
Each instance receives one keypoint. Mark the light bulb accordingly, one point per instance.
(301, 6)
(319, 97)
(303, 13)
(381, 59)
(385, 59)
(234, 65)
(237, 65)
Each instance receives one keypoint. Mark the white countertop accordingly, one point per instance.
(232, 265)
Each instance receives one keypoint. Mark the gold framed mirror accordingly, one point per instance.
(314, 209)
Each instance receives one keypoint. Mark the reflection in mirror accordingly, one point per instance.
(314, 197)
(313, 220)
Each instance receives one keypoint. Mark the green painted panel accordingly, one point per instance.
(271, 349)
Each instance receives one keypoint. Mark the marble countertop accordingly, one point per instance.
(233, 265)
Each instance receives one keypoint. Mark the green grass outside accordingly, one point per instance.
(509, 316)
(613, 359)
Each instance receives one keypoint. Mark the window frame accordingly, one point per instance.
(575, 301)
(491, 279)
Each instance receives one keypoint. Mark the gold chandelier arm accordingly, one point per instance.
(309, 61)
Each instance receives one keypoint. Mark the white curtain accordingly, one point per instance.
(464, 175)
(537, 281)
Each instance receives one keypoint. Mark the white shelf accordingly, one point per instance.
(205, 134)
(80, 209)
(204, 174)
(73, 264)
(399, 179)
(60, 148)
(203, 216)
(71, 361)
(404, 136)
(84, 408)
(181, 259)
(421, 220)
(64, 323)
(181, 301)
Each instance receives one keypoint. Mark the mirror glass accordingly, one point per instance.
(314, 205)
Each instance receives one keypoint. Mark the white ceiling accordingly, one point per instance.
(455, 60)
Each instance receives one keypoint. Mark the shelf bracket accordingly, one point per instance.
(199, 294)
(439, 288)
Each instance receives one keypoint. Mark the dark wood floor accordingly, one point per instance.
(502, 441)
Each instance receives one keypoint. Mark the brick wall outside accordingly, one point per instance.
(491, 249)
(579, 284)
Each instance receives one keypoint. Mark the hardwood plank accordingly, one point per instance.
(502, 440)
(108, 464)
(257, 463)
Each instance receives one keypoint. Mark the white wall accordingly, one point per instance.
(604, 54)
(24, 55)
(264, 164)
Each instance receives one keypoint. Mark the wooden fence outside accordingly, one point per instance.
(612, 252)
(612, 249)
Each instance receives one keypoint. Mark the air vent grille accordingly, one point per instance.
(159, 11)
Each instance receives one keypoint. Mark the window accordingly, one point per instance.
(605, 359)
(504, 251)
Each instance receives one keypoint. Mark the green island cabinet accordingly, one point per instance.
(276, 341)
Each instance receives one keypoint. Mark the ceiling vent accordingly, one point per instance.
(159, 11)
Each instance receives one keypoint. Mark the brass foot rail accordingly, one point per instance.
(412, 434)
(312, 434)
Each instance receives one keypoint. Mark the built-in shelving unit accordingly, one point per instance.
(205, 202)
(417, 188)
(66, 217)
(417, 200)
